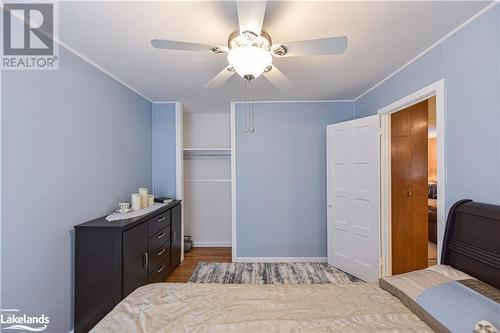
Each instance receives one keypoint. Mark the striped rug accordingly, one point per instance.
(269, 273)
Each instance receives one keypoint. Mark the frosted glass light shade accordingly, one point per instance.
(249, 60)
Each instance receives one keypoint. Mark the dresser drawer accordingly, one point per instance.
(160, 273)
(159, 239)
(158, 222)
(158, 256)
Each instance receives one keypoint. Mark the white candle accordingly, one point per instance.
(151, 200)
(144, 197)
(136, 201)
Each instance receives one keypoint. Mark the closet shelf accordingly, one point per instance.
(206, 152)
(207, 149)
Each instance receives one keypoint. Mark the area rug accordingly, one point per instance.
(269, 273)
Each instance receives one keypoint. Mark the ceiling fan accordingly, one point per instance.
(250, 50)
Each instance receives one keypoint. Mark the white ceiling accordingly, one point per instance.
(383, 36)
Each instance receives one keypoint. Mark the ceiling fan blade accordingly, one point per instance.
(251, 15)
(220, 78)
(322, 46)
(184, 46)
(278, 79)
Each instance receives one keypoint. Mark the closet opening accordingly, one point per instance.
(206, 186)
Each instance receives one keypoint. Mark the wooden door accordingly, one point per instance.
(409, 188)
(353, 192)
(135, 259)
(176, 236)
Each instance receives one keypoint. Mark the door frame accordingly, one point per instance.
(233, 182)
(435, 89)
(179, 165)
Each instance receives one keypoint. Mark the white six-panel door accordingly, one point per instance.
(353, 196)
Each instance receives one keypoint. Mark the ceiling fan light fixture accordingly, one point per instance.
(249, 61)
(249, 53)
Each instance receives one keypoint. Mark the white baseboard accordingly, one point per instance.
(280, 259)
(212, 244)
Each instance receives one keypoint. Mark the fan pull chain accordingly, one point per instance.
(247, 125)
(249, 109)
(252, 113)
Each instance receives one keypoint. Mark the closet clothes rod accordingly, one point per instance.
(206, 154)
(207, 180)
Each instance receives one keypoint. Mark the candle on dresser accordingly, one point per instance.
(151, 200)
(144, 201)
(136, 201)
(144, 197)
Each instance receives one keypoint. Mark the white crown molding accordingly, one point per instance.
(451, 33)
(87, 60)
(91, 62)
(461, 26)
(305, 101)
(266, 102)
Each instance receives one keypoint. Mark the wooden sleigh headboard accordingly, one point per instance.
(472, 240)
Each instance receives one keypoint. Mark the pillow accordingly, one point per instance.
(446, 299)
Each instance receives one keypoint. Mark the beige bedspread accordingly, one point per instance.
(170, 307)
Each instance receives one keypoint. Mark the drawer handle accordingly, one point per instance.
(160, 235)
(161, 268)
(161, 218)
(162, 251)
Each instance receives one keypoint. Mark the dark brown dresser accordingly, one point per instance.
(112, 259)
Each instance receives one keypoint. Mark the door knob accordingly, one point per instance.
(408, 193)
(330, 204)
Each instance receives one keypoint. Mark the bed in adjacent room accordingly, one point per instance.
(432, 211)
(461, 296)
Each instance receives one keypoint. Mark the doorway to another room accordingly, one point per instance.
(432, 193)
(413, 176)
(414, 187)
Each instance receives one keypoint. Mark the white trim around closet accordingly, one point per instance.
(435, 89)
(233, 181)
(179, 166)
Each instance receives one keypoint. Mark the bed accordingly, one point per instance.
(469, 251)
(260, 308)
(432, 211)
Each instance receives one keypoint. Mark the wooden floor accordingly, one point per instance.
(198, 254)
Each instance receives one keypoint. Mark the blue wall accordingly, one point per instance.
(469, 61)
(75, 142)
(281, 178)
(164, 149)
